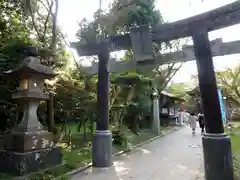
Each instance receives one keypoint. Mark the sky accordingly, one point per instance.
(72, 11)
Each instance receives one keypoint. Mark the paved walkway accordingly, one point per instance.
(177, 156)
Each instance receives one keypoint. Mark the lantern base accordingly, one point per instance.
(28, 141)
(18, 164)
(217, 157)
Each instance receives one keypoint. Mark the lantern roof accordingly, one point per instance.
(31, 65)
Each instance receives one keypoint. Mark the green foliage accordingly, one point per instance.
(131, 79)
(18, 29)
(119, 138)
(13, 36)
(179, 89)
(121, 16)
(136, 92)
(134, 86)
(133, 13)
(235, 141)
(76, 157)
(229, 81)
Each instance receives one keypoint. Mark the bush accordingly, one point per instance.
(119, 138)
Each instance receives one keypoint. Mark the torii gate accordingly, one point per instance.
(216, 144)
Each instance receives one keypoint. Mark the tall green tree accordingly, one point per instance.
(119, 18)
(178, 89)
(22, 23)
(13, 36)
(229, 81)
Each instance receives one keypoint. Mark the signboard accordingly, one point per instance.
(221, 104)
(141, 41)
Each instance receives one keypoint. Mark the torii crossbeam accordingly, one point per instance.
(186, 54)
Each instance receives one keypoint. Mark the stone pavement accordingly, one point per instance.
(177, 156)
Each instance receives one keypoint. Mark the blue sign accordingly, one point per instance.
(221, 104)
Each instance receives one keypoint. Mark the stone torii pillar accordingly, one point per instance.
(216, 144)
(102, 139)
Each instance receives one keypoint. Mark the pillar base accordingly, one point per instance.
(217, 153)
(156, 127)
(102, 149)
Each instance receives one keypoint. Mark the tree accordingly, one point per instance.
(229, 81)
(13, 36)
(41, 19)
(119, 19)
(129, 13)
(23, 23)
(178, 89)
(121, 16)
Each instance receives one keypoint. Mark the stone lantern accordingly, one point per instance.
(156, 115)
(29, 147)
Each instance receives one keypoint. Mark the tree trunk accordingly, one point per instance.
(54, 27)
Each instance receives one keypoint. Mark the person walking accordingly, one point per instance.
(193, 123)
(201, 122)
